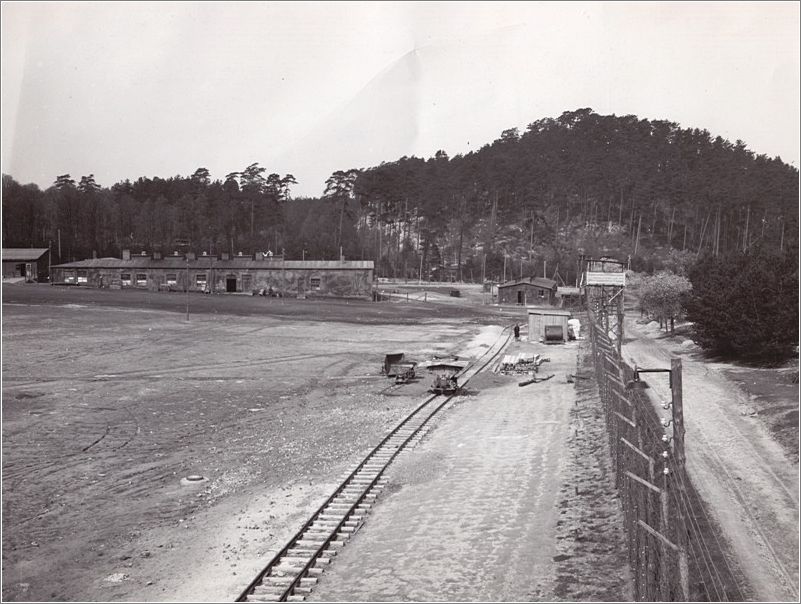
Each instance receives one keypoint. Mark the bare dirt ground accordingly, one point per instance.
(509, 498)
(740, 470)
(111, 398)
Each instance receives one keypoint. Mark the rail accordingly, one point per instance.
(314, 555)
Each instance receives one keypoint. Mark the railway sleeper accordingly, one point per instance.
(361, 489)
(357, 500)
(365, 485)
(333, 543)
(266, 589)
(267, 595)
(295, 560)
(346, 506)
(305, 582)
(332, 526)
(322, 562)
(367, 481)
(308, 552)
(363, 478)
(357, 491)
(280, 570)
(283, 580)
(331, 523)
(339, 517)
(296, 598)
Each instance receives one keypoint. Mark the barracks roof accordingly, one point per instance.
(22, 254)
(536, 281)
(236, 262)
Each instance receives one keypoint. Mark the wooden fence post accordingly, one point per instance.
(679, 458)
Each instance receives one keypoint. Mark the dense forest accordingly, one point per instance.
(527, 203)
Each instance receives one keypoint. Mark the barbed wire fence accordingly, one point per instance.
(674, 550)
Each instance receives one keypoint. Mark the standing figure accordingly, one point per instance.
(517, 332)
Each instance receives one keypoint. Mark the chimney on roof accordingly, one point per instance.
(94, 254)
(126, 254)
(190, 256)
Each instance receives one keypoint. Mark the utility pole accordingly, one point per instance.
(745, 236)
(531, 236)
(186, 289)
(670, 228)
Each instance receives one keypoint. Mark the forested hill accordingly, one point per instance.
(592, 181)
(580, 182)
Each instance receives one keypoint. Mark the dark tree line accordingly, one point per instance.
(745, 306)
(528, 202)
(243, 212)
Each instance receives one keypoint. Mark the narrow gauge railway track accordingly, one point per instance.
(293, 572)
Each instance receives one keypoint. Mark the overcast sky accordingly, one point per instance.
(158, 89)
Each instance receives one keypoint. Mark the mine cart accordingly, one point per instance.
(396, 366)
(445, 378)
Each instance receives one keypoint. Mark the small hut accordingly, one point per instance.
(542, 321)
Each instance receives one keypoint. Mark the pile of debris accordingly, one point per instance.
(522, 362)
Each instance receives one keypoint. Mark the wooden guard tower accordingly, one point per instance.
(603, 282)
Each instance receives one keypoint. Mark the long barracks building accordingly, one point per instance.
(336, 278)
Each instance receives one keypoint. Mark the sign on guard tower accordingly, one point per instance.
(598, 278)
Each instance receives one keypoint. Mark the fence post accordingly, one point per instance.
(679, 457)
(664, 583)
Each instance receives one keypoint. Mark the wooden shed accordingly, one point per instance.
(532, 290)
(541, 318)
(31, 263)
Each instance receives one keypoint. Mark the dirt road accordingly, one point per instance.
(737, 468)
